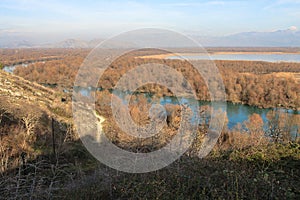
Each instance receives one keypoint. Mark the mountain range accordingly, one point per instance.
(279, 38)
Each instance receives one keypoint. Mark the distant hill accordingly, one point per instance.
(70, 43)
(279, 38)
(287, 38)
(11, 42)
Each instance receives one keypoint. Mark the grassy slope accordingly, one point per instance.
(17, 92)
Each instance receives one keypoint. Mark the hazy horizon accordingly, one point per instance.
(54, 21)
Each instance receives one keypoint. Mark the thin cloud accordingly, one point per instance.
(281, 3)
(216, 3)
(293, 28)
(188, 4)
(8, 31)
(288, 2)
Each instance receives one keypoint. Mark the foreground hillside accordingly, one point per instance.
(34, 124)
(42, 158)
(19, 94)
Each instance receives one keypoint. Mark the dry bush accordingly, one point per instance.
(13, 143)
(280, 125)
(241, 138)
(139, 112)
(18, 132)
(173, 115)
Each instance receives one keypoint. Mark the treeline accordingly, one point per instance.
(258, 67)
(15, 56)
(263, 90)
(61, 72)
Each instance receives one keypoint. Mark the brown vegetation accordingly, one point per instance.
(42, 158)
(18, 56)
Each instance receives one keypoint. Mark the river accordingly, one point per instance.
(268, 57)
(11, 68)
(237, 113)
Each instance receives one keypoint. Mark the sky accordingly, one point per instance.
(98, 19)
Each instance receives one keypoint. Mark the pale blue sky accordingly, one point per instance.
(92, 18)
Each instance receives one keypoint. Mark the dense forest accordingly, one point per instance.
(262, 84)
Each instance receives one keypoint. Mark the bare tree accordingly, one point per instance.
(30, 120)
